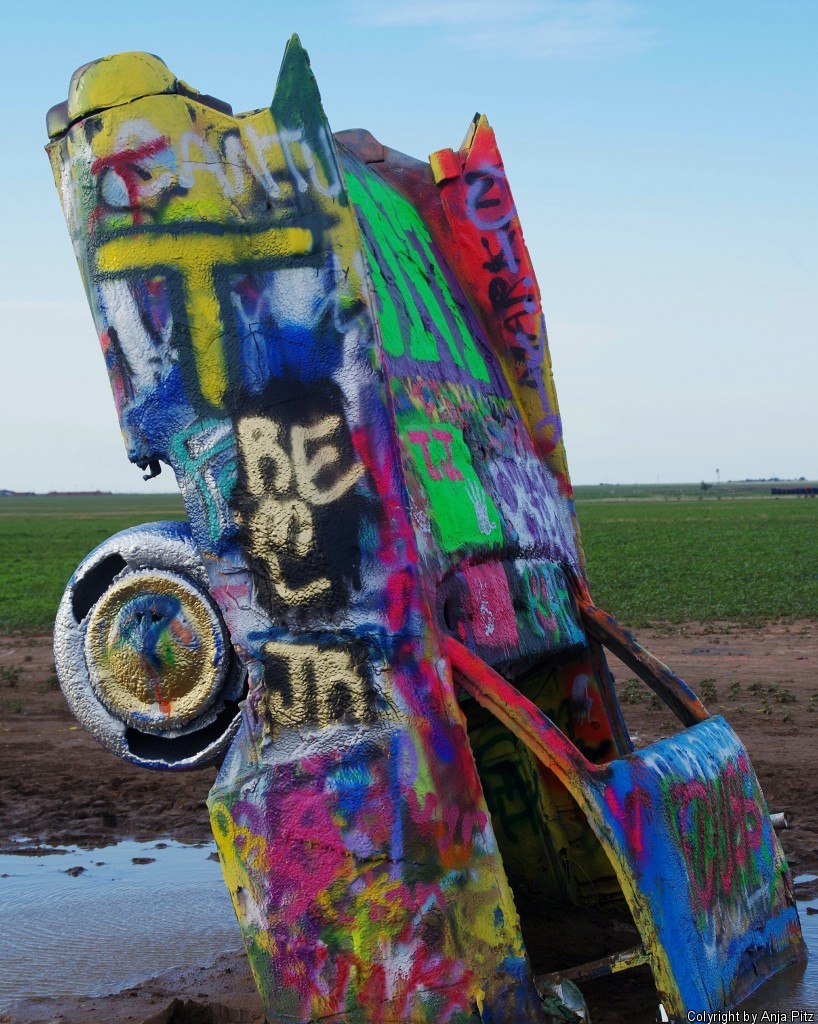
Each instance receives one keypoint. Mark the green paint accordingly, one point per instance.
(195, 468)
(166, 650)
(403, 268)
(546, 609)
(462, 514)
(297, 107)
(712, 833)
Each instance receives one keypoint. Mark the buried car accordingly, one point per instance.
(377, 619)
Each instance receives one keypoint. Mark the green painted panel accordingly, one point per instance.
(416, 308)
(461, 511)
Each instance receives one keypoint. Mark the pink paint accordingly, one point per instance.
(631, 816)
(491, 613)
(397, 550)
(446, 467)
(720, 826)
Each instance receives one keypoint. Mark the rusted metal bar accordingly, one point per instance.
(667, 686)
(601, 968)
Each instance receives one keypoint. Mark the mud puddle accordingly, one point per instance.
(796, 988)
(90, 922)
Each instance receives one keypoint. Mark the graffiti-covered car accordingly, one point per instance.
(378, 619)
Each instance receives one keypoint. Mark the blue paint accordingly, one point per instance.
(711, 950)
(796, 987)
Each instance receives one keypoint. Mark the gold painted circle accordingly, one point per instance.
(156, 650)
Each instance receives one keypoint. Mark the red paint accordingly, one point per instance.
(632, 816)
(125, 165)
(520, 716)
(397, 550)
(484, 244)
(720, 827)
(445, 467)
(491, 613)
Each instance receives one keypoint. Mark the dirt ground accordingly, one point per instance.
(765, 683)
(57, 786)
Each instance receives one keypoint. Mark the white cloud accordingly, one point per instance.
(525, 28)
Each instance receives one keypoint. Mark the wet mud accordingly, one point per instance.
(57, 786)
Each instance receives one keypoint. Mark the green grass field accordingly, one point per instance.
(43, 539)
(675, 492)
(742, 559)
(664, 553)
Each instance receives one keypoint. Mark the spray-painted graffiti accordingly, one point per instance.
(445, 467)
(229, 282)
(719, 827)
(206, 455)
(146, 170)
(344, 363)
(284, 486)
(316, 685)
(145, 167)
(491, 253)
(415, 299)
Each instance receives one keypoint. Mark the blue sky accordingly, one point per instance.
(664, 159)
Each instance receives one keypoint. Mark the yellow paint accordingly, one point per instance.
(260, 451)
(445, 164)
(232, 836)
(166, 684)
(316, 671)
(113, 81)
(282, 520)
(195, 256)
(307, 467)
(276, 525)
(235, 183)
